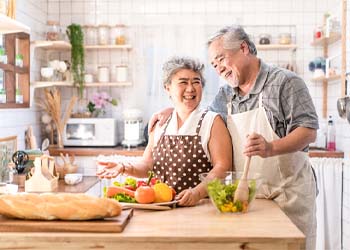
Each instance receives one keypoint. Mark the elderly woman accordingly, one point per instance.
(192, 141)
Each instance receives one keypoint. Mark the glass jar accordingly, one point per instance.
(118, 36)
(52, 33)
(103, 34)
(90, 35)
(264, 38)
(285, 38)
(121, 72)
(103, 74)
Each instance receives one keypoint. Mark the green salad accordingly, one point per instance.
(222, 196)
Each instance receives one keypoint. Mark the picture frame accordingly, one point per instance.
(8, 145)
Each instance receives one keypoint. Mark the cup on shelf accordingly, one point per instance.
(47, 73)
(88, 78)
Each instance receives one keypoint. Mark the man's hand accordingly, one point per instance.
(257, 145)
(160, 118)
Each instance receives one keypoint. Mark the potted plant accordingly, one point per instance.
(76, 38)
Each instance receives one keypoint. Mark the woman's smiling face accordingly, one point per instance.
(185, 90)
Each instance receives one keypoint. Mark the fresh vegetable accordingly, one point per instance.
(222, 196)
(141, 183)
(145, 194)
(113, 190)
(163, 192)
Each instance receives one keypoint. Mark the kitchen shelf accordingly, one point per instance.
(333, 37)
(323, 78)
(63, 45)
(41, 84)
(9, 25)
(276, 47)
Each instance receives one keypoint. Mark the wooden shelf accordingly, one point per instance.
(9, 25)
(40, 84)
(323, 78)
(276, 46)
(6, 67)
(333, 37)
(63, 45)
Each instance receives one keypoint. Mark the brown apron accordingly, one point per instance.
(179, 159)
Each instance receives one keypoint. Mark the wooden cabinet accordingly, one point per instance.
(14, 64)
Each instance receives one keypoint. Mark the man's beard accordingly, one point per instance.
(233, 80)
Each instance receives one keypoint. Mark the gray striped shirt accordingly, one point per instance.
(286, 99)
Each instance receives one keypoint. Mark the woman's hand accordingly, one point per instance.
(189, 197)
(112, 170)
(257, 145)
(160, 118)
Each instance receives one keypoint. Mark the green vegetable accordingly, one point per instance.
(130, 182)
(124, 198)
(222, 194)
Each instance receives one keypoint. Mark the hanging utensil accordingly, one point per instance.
(20, 158)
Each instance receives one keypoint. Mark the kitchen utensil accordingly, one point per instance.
(146, 206)
(348, 111)
(20, 158)
(108, 225)
(342, 103)
(242, 191)
(45, 144)
(264, 39)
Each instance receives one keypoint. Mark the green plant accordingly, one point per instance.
(76, 38)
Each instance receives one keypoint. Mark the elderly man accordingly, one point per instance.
(269, 111)
(271, 118)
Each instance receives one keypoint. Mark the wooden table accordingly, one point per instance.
(265, 227)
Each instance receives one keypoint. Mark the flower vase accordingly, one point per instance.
(59, 139)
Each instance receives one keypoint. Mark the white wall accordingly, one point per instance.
(15, 121)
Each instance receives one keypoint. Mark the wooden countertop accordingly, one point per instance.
(200, 227)
(82, 187)
(138, 151)
(95, 151)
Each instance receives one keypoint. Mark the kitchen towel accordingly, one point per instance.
(329, 179)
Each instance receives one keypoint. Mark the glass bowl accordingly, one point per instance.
(221, 191)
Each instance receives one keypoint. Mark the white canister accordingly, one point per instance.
(103, 34)
(121, 72)
(103, 74)
(88, 78)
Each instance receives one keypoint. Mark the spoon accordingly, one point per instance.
(242, 191)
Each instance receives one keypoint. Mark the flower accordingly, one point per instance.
(99, 102)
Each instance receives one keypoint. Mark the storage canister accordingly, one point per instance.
(285, 38)
(52, 33)
(121, 73)
(103, 74)
(103, 34)
(118, 36)
(90, 35)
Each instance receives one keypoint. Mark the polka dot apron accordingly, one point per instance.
(179, 159)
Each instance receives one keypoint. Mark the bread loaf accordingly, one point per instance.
(63, 206)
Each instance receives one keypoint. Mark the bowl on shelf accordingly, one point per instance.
(72, 179)
(46, 73)
(221, 191)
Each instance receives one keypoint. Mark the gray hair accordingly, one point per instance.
(233, 37)
(174, 64)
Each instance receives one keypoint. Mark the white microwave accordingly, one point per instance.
(90, 132)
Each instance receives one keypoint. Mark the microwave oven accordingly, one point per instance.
(90, 132)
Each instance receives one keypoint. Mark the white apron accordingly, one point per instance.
(287, 179)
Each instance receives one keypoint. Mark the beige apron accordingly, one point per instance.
(287, 179)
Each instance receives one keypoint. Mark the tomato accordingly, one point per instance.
(130, 187)
(145, 194)
(141, 183)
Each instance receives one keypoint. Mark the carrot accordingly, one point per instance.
(113, 190)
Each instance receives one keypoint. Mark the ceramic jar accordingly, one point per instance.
(103, 74)
(103, 34)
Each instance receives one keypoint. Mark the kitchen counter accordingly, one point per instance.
(138, 151)
(82, 187)
(200, 227)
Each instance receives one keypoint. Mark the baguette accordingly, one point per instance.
(62, 206)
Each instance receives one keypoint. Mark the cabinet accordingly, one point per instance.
(15, 64)
(65, 46)
(325, 42)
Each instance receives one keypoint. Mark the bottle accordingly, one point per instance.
(330, 135)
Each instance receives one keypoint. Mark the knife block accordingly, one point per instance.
(43, 178)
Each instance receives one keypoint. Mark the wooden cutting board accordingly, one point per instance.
(108, 225)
